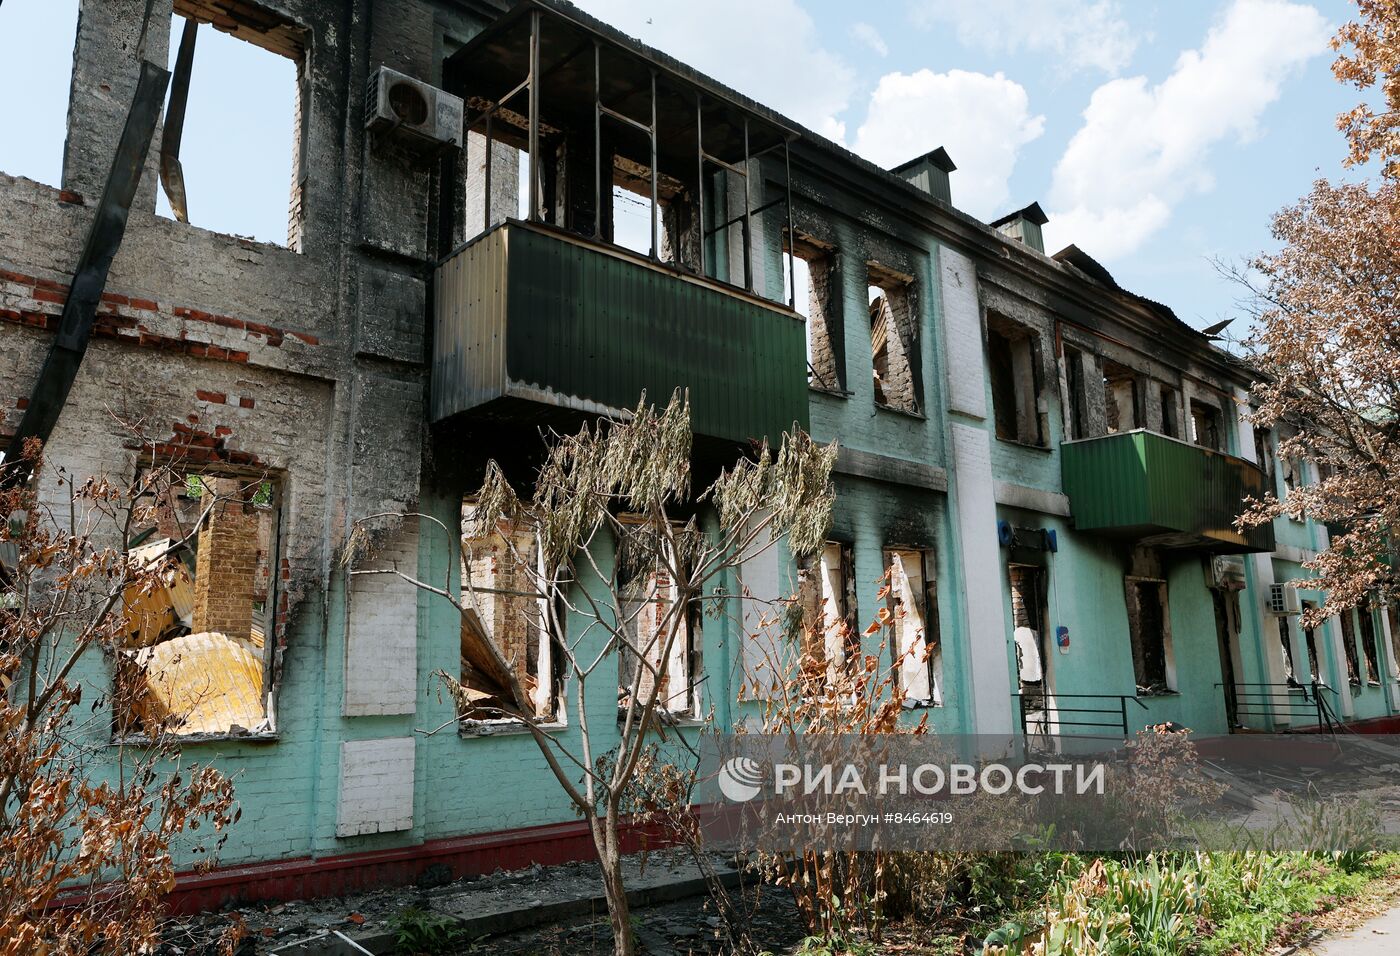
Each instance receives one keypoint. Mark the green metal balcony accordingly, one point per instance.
(531, 320)
(1140, 484)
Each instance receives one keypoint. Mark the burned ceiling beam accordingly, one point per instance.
(172, 174)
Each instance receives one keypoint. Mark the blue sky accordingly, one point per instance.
(1156, 135)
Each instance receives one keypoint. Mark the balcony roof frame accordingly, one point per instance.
(497, 46)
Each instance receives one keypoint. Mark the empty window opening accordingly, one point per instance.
(1370, 650)
(1264, 456)
(1310, 641)
(1076, 400)
(1121, 398)
(1012, 359)
(199, 635)
(631, 220)
(1392, 612)
(36, 55)
(893, 340)
(832, 644)
(1285, 640)
(1205, 425)
(1349, 648)
(809, 286)
(505, 595)
(1150, 634)
(1171, 412)
(918, 652)
(1028, 623)
(1292, 476)
(658, 651)
(243, 135)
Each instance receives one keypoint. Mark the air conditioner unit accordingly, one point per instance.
(1227, 572)
(1283, 599)
(411, 110)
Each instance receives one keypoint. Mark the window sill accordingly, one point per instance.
(902, 413)
(1159, 693)
(828, 390)
(1029, 446)
(920, 705)
(181, 740)
(503, 728)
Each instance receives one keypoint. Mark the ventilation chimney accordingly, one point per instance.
(930, 173)
(1023, 225)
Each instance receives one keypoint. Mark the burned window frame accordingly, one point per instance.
(271, 487)
(823, 317)
(1350, 654)
(1016, 404)
(1142, 677)
(688, 653)
(1169, 403)
(1214, 415)
(897, 312)
(575, 99)
(548, 636)
(1116, 375)
(932, 636)
(831, 639)
(1370, 643)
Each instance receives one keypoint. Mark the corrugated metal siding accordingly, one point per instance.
(1140, 480)
(469, 331)
(565, 318)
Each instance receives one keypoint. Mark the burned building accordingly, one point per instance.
(507, 217)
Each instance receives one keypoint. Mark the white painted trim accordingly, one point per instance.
(984, 585)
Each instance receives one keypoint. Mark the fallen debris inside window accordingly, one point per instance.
(505, 609)
(197, 629)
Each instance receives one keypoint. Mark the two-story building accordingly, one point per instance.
(503, 220)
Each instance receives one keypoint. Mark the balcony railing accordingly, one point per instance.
(531, 317)
(1144, 485)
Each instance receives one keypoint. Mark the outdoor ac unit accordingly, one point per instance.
(411, 110)
(1283, 599)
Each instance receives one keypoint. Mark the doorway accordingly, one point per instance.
(1227, 633)
(1028, 617)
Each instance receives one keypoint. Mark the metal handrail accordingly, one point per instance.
(1058, 708)
(1281, 700)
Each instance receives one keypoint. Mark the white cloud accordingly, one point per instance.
(1081, 34)
(983, 121)
(1143, 148)
(766, 49)
(870, 36)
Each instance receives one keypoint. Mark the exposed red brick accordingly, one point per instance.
(68, 196)
(19, 277)
(223, 431)
(115, 298)
(144, 304)
(245, 402)
(207, 396)
(50, 295)
(261, 329)
(198, 350)
(308, 339)
(192, 419)
(21, 403)
(50, 284)
(238, 357)
(217, 351)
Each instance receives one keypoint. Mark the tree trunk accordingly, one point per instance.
(605, 839)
